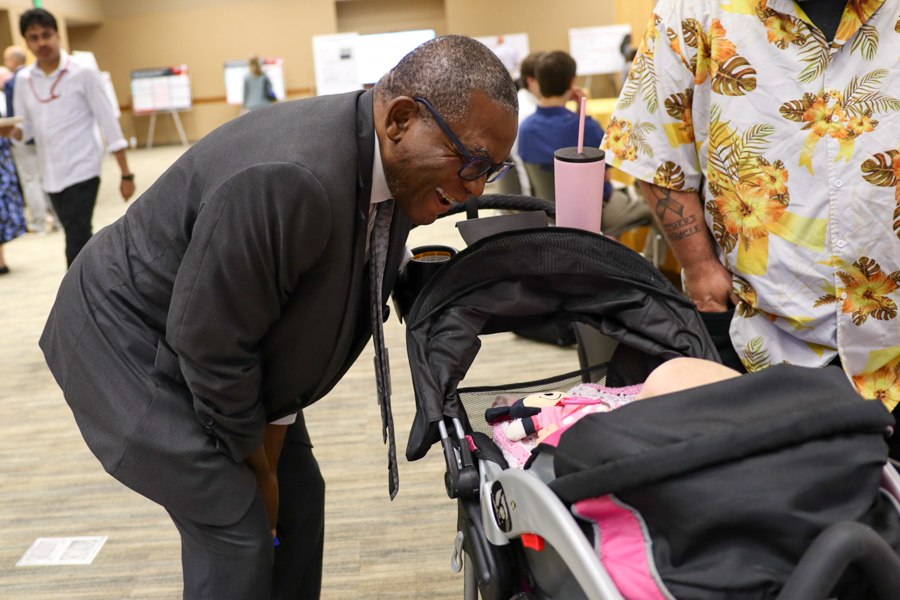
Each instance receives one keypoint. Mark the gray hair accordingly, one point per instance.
(16, 53)
(446, 71)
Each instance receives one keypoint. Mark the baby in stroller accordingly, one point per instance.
(520, 424)
(772, 485)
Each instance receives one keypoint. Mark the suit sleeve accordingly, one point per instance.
(651, 132)
(252, 239)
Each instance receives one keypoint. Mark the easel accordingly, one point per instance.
(178, 126)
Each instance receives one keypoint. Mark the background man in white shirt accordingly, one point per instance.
(61, 101)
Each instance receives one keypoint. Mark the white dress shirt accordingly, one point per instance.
(528, 104)
(63, 127)
(380, 193)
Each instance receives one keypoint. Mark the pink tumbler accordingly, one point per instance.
(579, 187)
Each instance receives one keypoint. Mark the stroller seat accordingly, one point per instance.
(654, 464)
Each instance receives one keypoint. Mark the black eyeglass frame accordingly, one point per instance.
(494, 171)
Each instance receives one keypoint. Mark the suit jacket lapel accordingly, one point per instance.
(365, 139)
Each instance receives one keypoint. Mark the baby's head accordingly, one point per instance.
(503, 400)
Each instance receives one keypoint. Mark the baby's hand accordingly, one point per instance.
(515, 431)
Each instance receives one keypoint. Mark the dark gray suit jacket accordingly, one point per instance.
(230, 294)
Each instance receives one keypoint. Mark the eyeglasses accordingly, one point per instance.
(475, 167)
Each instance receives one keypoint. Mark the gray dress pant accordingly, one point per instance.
(240, 561)
(227, 563)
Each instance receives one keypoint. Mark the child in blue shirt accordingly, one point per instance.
(553, 126)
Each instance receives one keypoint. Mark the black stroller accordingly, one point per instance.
(772, 485)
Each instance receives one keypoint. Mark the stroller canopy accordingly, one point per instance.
(531, 278)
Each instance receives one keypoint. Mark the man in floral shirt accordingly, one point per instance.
(780, 129)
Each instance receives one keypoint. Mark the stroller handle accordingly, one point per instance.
(502, 202)
(832, 552)
(461, 477)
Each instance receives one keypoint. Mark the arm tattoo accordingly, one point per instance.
(685, 226)
(665, 201)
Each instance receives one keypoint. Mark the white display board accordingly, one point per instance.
(236, 70)
(161, 90)
(596, 49)
(334, 57)
(87, 59)
(378, 53)
(510, 48)
(111, 93)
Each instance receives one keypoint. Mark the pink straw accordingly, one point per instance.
(581, 125)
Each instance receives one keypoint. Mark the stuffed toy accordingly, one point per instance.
(542, 413)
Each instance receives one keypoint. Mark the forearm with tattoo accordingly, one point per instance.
(684, 225)
(680, 217)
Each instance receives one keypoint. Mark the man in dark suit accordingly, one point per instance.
(234, 293)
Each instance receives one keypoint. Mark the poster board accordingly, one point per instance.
(235, 70)
(596, 49)
(87, 59)
(378, 53)
(511, 52)
(166, 89)
(334, 57)
(111, 93)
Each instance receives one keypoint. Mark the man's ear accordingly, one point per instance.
(401, 113)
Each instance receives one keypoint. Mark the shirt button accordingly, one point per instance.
(835, 118)
(841, 243)
(844, 296)
(838, 183)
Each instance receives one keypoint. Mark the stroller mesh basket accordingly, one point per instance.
(476, 400)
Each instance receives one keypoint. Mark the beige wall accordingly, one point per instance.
(385, 16)
(136, 34)
(67, 12)
(203, 38)
(546, 23)
(637, 14)
(85, 11)
(123, 8)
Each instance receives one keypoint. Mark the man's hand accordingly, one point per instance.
(268, 485)
(680, 216)
(267, 480)
(127, 185)
(11, 131)
(264, 464)
(709, 285)
(127, 189)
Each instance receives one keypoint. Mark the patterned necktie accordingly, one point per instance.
(378, 247)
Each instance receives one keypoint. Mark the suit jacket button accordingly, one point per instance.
(385, 313)
(208, 421)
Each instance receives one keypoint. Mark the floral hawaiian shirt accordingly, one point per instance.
(794, 145)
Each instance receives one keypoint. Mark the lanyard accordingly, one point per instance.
(53, 95)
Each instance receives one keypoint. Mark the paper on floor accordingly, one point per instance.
(62, 551)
